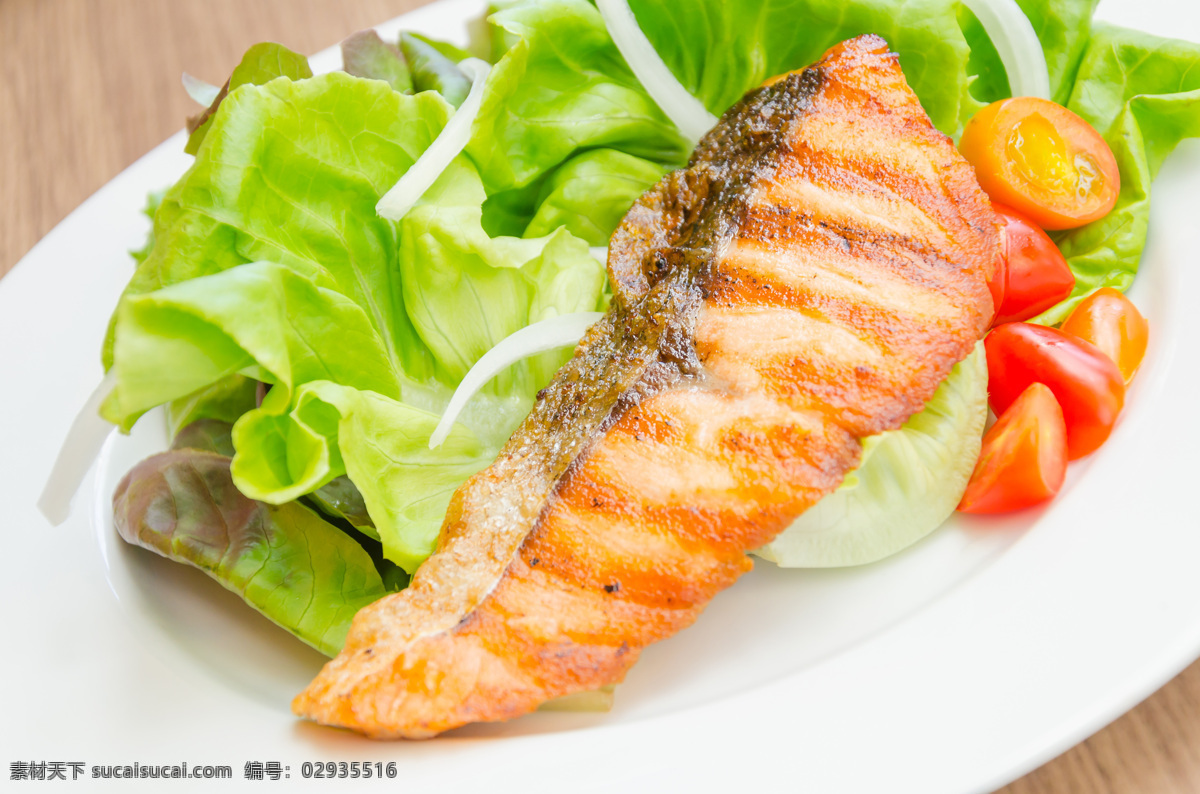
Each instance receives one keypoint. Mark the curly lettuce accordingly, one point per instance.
(270, 266)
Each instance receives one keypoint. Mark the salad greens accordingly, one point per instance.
(433, 71)
(272, 296)
(261, 64)
(298, 570)
(366, 55)
(720, 50)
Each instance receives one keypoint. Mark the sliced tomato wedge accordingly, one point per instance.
(1043, 160)
(1036, 275)
(1111, 322)
(1024, 456)
(1086, 383)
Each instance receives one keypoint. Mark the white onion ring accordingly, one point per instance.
(683, 109)
(453, 138)
(561, 331)
(1017, 44)
(79, 450)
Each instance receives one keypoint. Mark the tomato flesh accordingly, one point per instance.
(1043, 160)
(1086, 383)
(1108, 320)
(1037, 275)
(1024, 456)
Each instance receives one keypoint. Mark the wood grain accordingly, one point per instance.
(88, 86)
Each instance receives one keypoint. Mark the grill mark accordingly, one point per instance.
(839, 200)
(850, 380)
(778, 464)
(595, 552)
(813, 263)
(725, 450)
(534, 663)
(738, 341)
(890, 330)
(540, 600)
(849, 228)
(927, 205)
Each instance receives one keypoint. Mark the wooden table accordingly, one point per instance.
(87, 86)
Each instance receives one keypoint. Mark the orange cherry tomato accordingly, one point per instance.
(1042, 160)
(1108, 320)
(1086, 383)
(1024, 456)
(1037, 275)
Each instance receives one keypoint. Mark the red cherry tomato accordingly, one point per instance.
(1108, 320)
(1036, 273)
(1024, 456)
(997, 278)
(1042, 159)
(1086, 383)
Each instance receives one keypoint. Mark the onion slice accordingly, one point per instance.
(561, 331)
(453, 138)
(79, 450)
(687, 112)
(203, 93)
(1017, 44)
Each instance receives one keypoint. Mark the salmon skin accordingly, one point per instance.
(807, 281)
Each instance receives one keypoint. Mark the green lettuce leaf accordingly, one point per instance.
(152, 203)
(225, 401)
(261, 64)
(1063, 28)
(451, 51)
(559, 86)
(908, 482)
(590, 194)
(380, 443)
(366, 55)
(1142, 93)
(340, 498)
(719, 50)
(433, 71)
(270, 264)
(291, 175)
(301, 572)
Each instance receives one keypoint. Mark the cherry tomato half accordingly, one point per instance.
(1024, 456)
(1036, 273)
(1086, 383)
(1108, 320)
(1042, 160)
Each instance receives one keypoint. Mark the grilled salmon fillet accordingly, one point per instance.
(807, 281)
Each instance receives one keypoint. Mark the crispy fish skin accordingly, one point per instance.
(806, 282)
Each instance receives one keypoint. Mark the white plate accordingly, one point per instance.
(956, 666)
